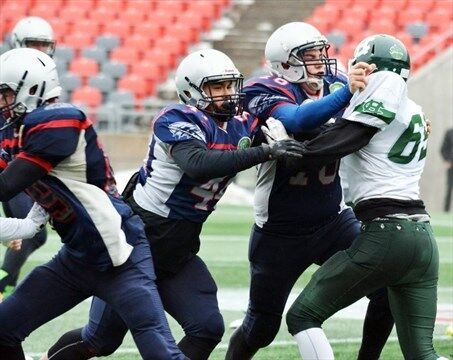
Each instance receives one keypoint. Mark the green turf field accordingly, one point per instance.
(224, 249)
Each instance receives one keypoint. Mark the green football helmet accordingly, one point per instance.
(386, 52)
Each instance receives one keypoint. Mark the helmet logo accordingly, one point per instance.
(396, 52)
(244, 142)
(335, 86)
(363, 49)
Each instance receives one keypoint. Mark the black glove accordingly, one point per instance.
(285, 148)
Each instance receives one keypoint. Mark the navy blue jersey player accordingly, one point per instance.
(57, 159)
(33, 32)
(196, 149)
(300, 215)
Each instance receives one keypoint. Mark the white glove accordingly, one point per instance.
(38, 215)
(275, 131)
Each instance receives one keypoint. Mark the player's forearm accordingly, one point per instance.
(199, 162)
(341, 139)
(12, 228)
(310, 115)
(19, 175)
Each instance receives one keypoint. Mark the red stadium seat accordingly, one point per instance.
(87, 95)
(133, 83)
(183, 31)
(410, 15)
(422, 5)
(103, 14)
(439, 19)
(126, 55)
(148, 69)
(146, 6)
(328, 11)
(172, 45)
(385, 12)
(405, 38)
(323, 25)
(60, 27)
(78, 40)
(133, 15)
(116, 6)
(350, 26)
(391, 3)
(139, 41)
(150, 29)
(86, 4)
(172, 6)
(73, 13)
(382, 26)
(84, 67)
(342, 4)
(209, 8)
(371, 4)
(117, 27)
(89, 26)
(359, 13)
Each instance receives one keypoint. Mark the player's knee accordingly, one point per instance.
(263, 331)
(213, 327)
(71, 346)
(379, 300)
(300, 317)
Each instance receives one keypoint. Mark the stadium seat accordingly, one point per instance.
(96, 53)
(4, 48)
(371, 4)
(142, 5)
(115, 69)
(350, 26)
(385, 12)
(65, 53)
(88, 26)
(102, 82)
(409, 15)
(417, 30)
(391, 3)
(405, 38)
(184, 31)
(44, 10)
(116, 6)
(70, 81)
(342, 4)
(359, 13)
(60, 27)
(323, 25)
(84, 67)
(422, 5)
(124, 98)
(171, 6)
(73, 13)
(336, 38)
(86, 4)
(126, 55)
(382, 26)
(439, 19)
(328, 11)
(118, 27)
(78, 40)
(103, 14)
(172, 45)
(132, 15)
(150, 28)
(62, 66)
(108, 42)
(135, 84)
(139, 41)
(87, 95)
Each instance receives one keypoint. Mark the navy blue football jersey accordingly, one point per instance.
(163, 187)
(79, 191)
(286, 199)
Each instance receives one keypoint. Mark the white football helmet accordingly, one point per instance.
(285, 49)
(32, 76)
(205, 66)
(31, 31)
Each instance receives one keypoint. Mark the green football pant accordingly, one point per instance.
(399, 254)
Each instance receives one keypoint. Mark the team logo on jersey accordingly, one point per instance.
(376, 109)
(335, 86)
(244, 142)
(396, 52)
(182, 130)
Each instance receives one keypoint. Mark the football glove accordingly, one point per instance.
(274, 131)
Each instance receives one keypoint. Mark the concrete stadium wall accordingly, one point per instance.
(432, 88)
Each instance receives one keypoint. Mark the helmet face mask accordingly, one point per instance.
(204, 70)
(386, 52)
(295, 52)
(34, 32)
(32, 78)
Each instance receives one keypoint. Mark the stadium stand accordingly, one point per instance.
(134, 45)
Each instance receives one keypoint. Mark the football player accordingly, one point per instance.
(33, 32)
(196, 149)
(55, 156)
(300, 216)
(384, 131)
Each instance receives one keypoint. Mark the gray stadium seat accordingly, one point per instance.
(417, 30)
(114, 69)
(70, 81)
(123, 98)
(63, 52)
(108, 42)
(103, 82)
(96, 53)
(62, 65)
(336, 38)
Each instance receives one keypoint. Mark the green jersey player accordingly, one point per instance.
(383, 133)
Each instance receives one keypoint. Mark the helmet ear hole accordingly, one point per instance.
(285, 66)
(33, 90)
(187, 93)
